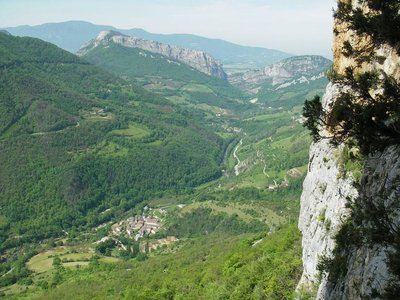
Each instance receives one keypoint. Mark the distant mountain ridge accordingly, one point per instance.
(130, 58)
(293, 68)
(286, 83)
(198, 60)
(72, 35)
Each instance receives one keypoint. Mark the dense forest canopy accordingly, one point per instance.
(76, 140)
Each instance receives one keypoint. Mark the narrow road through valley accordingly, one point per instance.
(236, 168)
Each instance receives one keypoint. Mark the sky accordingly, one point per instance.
(294, 26)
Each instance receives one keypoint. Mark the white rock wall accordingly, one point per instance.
(323, 210)
(323, 203)
(198, 60)
(368, 271)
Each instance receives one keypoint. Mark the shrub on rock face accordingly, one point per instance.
(314, 113)
(365, 116)
(369, 111)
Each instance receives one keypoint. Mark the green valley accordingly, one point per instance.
(172, 166)
(62, 119)
(169, 77)
(128, 166)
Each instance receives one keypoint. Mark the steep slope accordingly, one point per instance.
(72, 34)
(285, 70)
(196, 59)
(144, 62)
(350, 215)
(76, 141)
(229, 53)
(286, 83)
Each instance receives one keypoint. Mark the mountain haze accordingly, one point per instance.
(287, 82)
(72, 35)
(136, 165)
(161, 68)
(141, 155)
(196, 59)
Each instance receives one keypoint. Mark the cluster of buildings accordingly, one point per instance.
(137, 227)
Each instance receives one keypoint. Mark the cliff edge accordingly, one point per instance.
(198, 60)
(350, 215)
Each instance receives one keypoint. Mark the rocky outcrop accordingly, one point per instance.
(294, 67)
(297, 69)
(367, 271)
(323, 203)
(324, 210)
(198, 60)
(385, 58)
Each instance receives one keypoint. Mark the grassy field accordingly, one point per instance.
(274, 147)
(247, 212)
(215, 266)
(70, 257)
(112, 150)
(134, 131)
(275, 143)
(43, 262)
(197, 88)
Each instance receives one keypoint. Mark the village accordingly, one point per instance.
(139, 226)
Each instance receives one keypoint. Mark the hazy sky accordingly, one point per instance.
(295, 26)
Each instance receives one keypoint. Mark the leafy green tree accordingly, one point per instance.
(106, 247)
(57, 262)
(314, 113)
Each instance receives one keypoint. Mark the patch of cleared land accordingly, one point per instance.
(197, 88)
(113, 150)
(246, 212)
(134, 131)
(70, 257)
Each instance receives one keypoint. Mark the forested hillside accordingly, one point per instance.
(193, 186)
(76, 141)
(165, 76)
(218, 266)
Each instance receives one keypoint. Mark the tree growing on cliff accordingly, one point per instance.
(368, 112)
(314, 113)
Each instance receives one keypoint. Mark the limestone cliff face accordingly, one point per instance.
(326, 195)
(198, 60)
(386, 58)
(304, 68)
(368, 268)
(293, 67)
(323, 202)
(323, 212)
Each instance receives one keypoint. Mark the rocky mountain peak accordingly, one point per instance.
(198, 60)
(107, 34)
(294, 67)
(303, 68)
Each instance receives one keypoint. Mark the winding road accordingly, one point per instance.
(236, 168)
